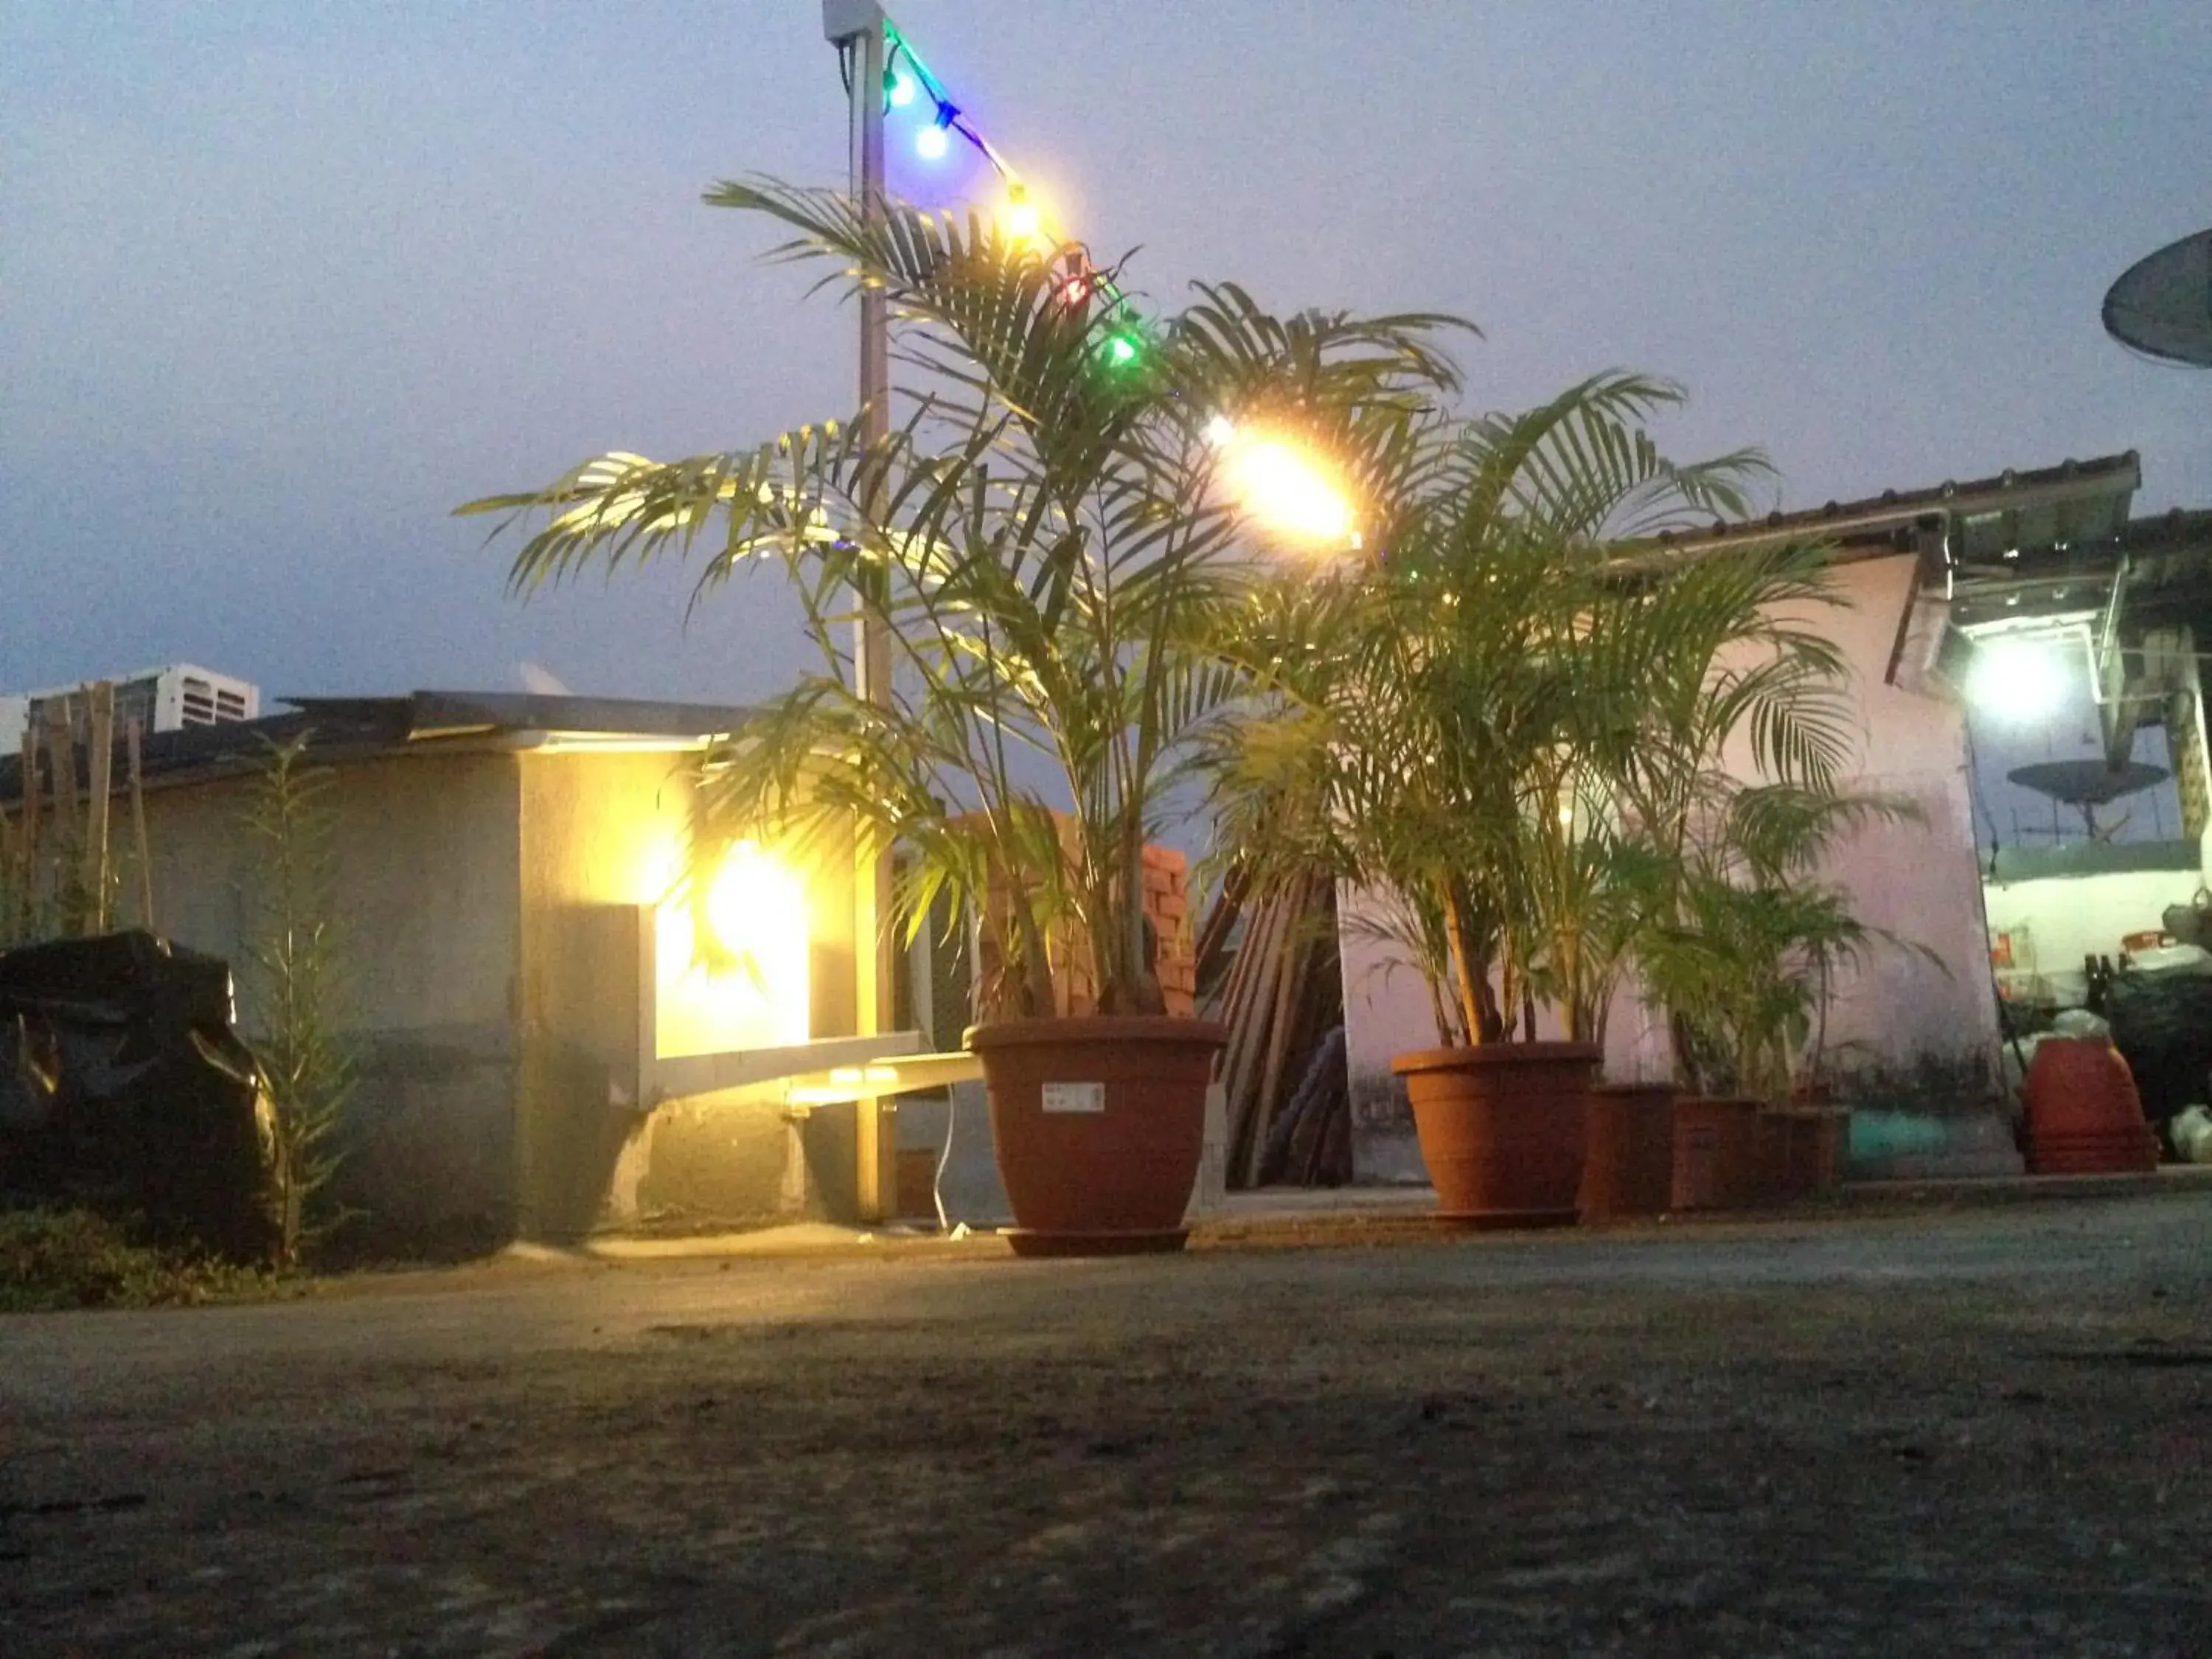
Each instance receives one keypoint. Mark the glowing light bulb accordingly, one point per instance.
(898, 87)
(1219, 430)
(1287, 490)
(1021, 219)
(1120, 351)
(2018, 680)
(930, 142)
(755, 907)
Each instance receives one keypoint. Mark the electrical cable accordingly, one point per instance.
(943, 1158)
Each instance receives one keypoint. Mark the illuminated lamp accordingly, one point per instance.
(2018, 679)
(1021, 219)
(756, 909)
(1285, 488)
(933, 140)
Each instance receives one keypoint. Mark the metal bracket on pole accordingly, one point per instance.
(843, 19)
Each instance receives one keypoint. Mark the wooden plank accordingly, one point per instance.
(1234, 997)
(10, 881)
(1251, 958)
(676, 1077)
(100, 777)
(69, 837)
(33, 785)
(1295, 949)
(1266, 942)
(1212, 937)
(134, 750)
(61, 755)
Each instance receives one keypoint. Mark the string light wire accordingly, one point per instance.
(949, 117)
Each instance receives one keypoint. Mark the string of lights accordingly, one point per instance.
(910, 85)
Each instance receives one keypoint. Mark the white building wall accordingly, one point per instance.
(2056, 921)
(1920, 881)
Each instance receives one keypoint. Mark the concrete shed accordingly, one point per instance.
(553, 1041)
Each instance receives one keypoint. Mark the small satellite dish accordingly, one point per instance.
(2162, 304)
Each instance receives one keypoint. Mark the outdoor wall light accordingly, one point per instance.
(2018, 680)
(755, 908)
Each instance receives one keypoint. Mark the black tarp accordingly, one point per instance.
(2162, 1023)
(124, 1089)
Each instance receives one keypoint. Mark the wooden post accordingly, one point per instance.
(134, 750)
(61, 753)
(10, 883)
(28, 844)
(1293, 947)
(99, 778)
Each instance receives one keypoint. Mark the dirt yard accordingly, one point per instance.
(1984, 1432)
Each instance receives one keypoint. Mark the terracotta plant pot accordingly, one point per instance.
(1502, 1128)
(1783, 1173)
(1629, 1163)
(1716, 1152)
(2084, 1115)
(1098, 1123)
(1818, 1148)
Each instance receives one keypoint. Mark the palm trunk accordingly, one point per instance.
(1446, 1038)
(1463, 964)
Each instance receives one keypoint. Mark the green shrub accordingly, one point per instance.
(59, 1259)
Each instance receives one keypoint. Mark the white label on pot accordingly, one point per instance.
(1075, 1096)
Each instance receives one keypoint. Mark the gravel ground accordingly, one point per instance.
(1983, 1433)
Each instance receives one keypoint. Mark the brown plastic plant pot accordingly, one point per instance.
(1629, 1164)
(2084, 1114)
(1716, 1152)
(1098, 1124)
(1501, 1129)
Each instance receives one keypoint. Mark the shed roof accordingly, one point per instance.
(345, 729)
(2040, 507)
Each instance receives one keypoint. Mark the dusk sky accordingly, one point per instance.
(282, 283)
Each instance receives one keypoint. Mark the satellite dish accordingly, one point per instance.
(2162, 305)
(2087, 784)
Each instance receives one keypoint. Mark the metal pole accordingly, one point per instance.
(856, 27)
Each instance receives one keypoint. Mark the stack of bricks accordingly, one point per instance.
(1167, 907)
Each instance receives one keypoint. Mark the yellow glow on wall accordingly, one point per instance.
(756, 907)
(732, 956)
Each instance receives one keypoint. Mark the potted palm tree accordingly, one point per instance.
(1744, 969)
(1048, 543)
(1456, 754)
(1727, 658)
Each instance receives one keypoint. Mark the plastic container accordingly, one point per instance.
(2084, 1116)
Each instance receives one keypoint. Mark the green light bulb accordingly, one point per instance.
(1120, 351)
